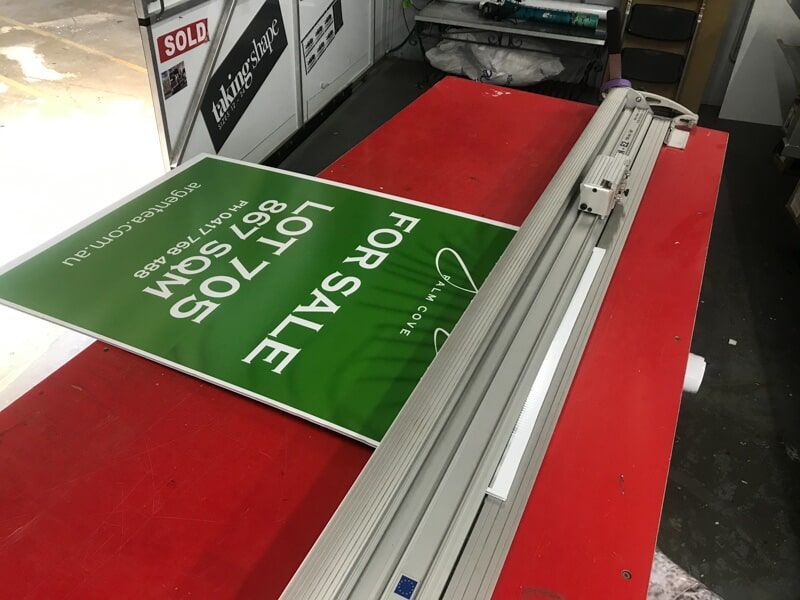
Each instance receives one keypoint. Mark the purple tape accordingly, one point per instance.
(614, 83)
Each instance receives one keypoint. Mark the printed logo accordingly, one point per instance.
(453, 272)
(321, 34)
(182, 40)
(239, 77)
(405, 587)
(173, 80)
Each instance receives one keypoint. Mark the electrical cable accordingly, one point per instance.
(401, 44)
(409, 29)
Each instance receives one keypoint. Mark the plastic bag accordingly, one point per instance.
(493, 64)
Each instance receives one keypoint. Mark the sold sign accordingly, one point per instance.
(182, 40)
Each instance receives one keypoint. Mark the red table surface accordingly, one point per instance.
(121, 478)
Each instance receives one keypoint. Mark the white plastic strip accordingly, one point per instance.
(695, 370)
(512, 456)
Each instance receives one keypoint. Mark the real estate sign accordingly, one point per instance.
(321, 299)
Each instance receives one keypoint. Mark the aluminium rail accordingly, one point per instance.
(418, 523)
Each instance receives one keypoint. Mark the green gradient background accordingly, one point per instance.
(355, 373)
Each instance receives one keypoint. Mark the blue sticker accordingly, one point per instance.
(405, 588)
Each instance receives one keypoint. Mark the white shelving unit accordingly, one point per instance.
(455, 14)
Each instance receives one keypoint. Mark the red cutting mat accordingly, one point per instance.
(595, 509)
(120, 478)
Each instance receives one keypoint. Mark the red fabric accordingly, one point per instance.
(120, 478)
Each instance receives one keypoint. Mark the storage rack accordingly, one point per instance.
(657, 43)
(581, 52)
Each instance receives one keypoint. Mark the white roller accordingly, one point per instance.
(695, 369)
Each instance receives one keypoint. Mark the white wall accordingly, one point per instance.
(721, 71)
(762, 86)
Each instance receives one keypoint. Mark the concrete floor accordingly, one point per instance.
(732, 508)
(77, 132)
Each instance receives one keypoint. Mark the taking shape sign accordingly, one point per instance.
(323, 300)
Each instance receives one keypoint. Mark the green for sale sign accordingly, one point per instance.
(324, 300)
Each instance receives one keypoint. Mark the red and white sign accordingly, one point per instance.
(182, 40)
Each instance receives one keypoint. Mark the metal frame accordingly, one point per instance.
(701, 9)
(155, 94)
(148, 18)
(185, 132)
